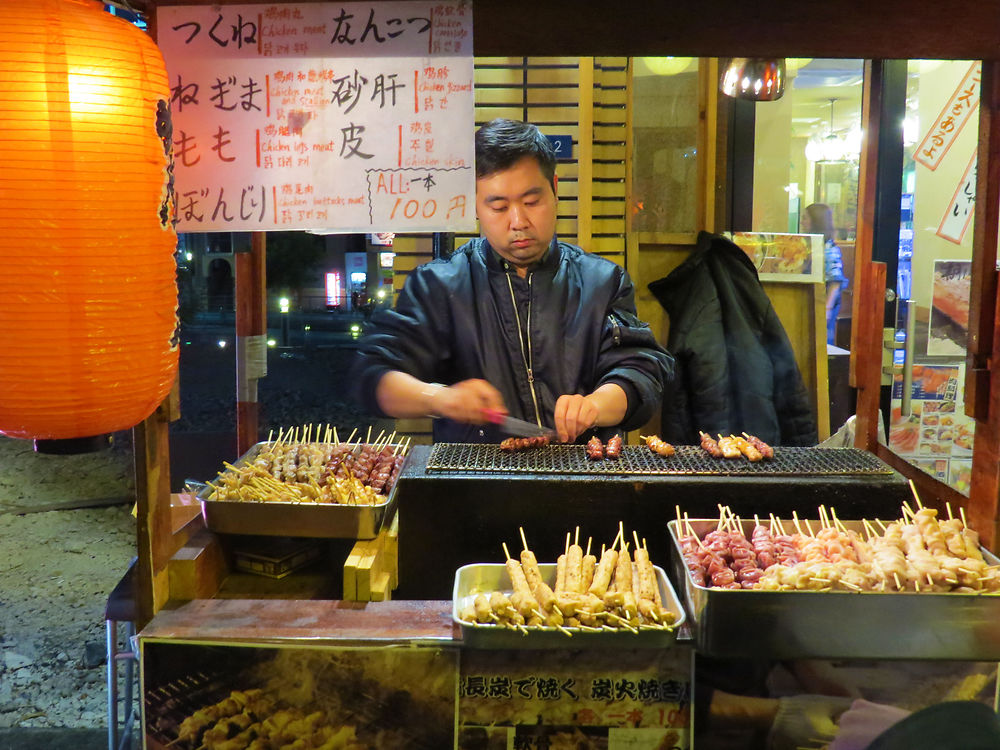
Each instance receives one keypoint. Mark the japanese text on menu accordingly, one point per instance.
(345, 117)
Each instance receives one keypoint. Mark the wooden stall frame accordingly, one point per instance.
(916, 29)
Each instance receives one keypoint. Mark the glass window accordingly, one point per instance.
(806, 153)
(665, 132)
(930, 428)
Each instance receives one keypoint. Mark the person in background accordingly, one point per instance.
(514, 320)
(818, 219)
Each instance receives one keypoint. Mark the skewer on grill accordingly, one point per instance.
(657, 445)
(514, 444)
(595, 449)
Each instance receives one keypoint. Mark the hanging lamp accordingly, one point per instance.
(758, 79)
(88, 294)
(831, 148)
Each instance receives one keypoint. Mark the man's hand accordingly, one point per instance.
(464, 401)
(804, 719)
(863, 722)
(575, 414)
(404, 396)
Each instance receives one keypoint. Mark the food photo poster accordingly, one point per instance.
(783, 257)
(949, 319)
(936, 435)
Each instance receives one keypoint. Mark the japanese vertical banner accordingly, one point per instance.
(347, 117)
(949, 123)
(957, 218)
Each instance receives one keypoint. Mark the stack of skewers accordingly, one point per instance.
(307, 467)
(619, 592)
(916, 553)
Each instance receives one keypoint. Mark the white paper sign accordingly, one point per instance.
(956, 112)
(345, 117)
(958, 216)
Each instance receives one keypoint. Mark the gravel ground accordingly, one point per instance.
(57, 567)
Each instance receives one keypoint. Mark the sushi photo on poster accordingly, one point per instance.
(949, 318)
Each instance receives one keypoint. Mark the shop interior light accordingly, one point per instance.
(666, 66)
(833, 148)
(792, 64)
(910, 129)
(755, 78)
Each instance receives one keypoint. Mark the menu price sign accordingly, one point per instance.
(348, 118)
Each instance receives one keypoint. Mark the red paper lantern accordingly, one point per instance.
(88, 293)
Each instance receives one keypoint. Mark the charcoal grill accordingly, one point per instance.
(458, 502)
(475, 458)
(167, 705)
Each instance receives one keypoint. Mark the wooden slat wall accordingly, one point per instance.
(585, 98)
(612, 122)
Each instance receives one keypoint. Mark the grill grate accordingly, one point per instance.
(479, 458)
(168, 705)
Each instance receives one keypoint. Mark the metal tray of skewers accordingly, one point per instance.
(251, 496)
(486, 578)
(934, 609)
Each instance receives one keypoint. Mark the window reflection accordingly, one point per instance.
(929, 426)
(665, 132)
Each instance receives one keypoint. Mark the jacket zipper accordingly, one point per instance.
(525, 357)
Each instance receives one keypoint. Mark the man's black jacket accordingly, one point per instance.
(736, 370)
(455, 319)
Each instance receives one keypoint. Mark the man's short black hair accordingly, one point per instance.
(501, 143)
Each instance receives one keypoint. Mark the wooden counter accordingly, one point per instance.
(319, 622)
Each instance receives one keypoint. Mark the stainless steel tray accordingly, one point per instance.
(486, 577)
(835, 624)
(318, 520)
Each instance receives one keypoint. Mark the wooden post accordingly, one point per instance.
(154, 538)
(708, 119)
(585, 153)
(983, 292)
(869, 296)
(251, 339)
(982, 382)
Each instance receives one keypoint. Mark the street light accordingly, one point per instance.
(283, 308)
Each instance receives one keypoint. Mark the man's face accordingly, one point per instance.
(517, 212)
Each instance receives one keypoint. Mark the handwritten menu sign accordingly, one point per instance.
(949, 123)
(347, 117)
